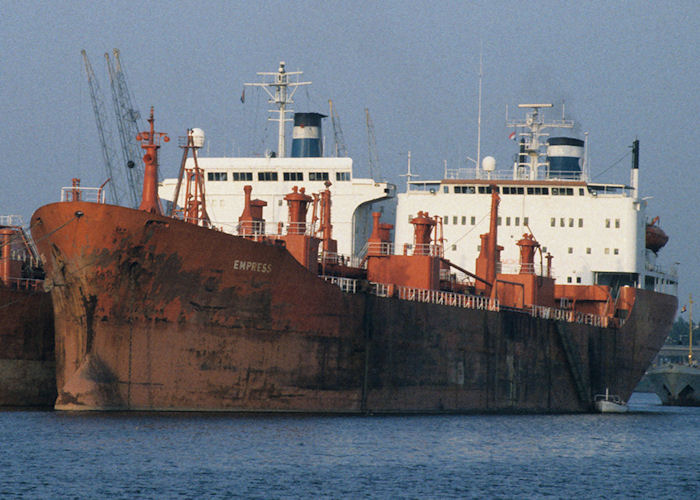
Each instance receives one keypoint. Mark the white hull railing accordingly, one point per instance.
(428, 249)
(91, 194)
(23, 283)
(466, 301)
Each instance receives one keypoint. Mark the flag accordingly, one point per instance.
(243, 96)
(511, 136)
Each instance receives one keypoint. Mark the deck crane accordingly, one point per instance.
(373, 159)
(340, 149)
(127, 118)
(104, 132)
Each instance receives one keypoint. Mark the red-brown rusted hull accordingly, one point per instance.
(156, 314)
(27, 366)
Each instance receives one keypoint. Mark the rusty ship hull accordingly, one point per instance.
(27, 366)
(152, 313)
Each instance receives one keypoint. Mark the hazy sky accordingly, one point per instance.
(625, 70)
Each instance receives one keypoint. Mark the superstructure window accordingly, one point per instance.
(454, 220)
(580, 223)
(607, 223)
(293, 176)
(526, 221)
(318, 176)
(473, 221)
(217, 176)
(552, 222)
(513, 190)
(517, 221)
(484, 189)
(342, 176)
(267, 176)
(617, 223)
(464, 189)
(464, 220)
(445, 189)
(241, 176)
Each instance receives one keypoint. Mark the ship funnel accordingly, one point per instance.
(564, 155)
(306, 137)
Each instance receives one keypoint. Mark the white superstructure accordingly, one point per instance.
(595, 232)
(354, 199)
(272, 177)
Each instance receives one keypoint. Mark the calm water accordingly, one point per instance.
(652, 452)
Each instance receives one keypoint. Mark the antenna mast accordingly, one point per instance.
(478, 120)
(281, 96)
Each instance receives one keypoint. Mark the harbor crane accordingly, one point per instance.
(104, 133)
(340, 149)
(372, 143)
(127, 118)
(125, 176)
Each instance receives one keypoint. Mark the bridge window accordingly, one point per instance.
(318, 176)
(267, 176)
(217, 176)
(293, 176)
(342, 176)
(241, 176)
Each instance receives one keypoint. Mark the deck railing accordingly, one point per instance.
(23, 283)
(466, 301)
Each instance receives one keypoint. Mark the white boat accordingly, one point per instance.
(609, 403)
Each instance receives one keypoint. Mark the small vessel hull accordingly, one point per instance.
(27, 365)
(676, 384)
(610, 407)
(156, 314)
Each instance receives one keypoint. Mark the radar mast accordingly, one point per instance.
(282, 95)
(534, 133)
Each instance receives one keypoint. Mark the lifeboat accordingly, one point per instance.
(656, 238)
